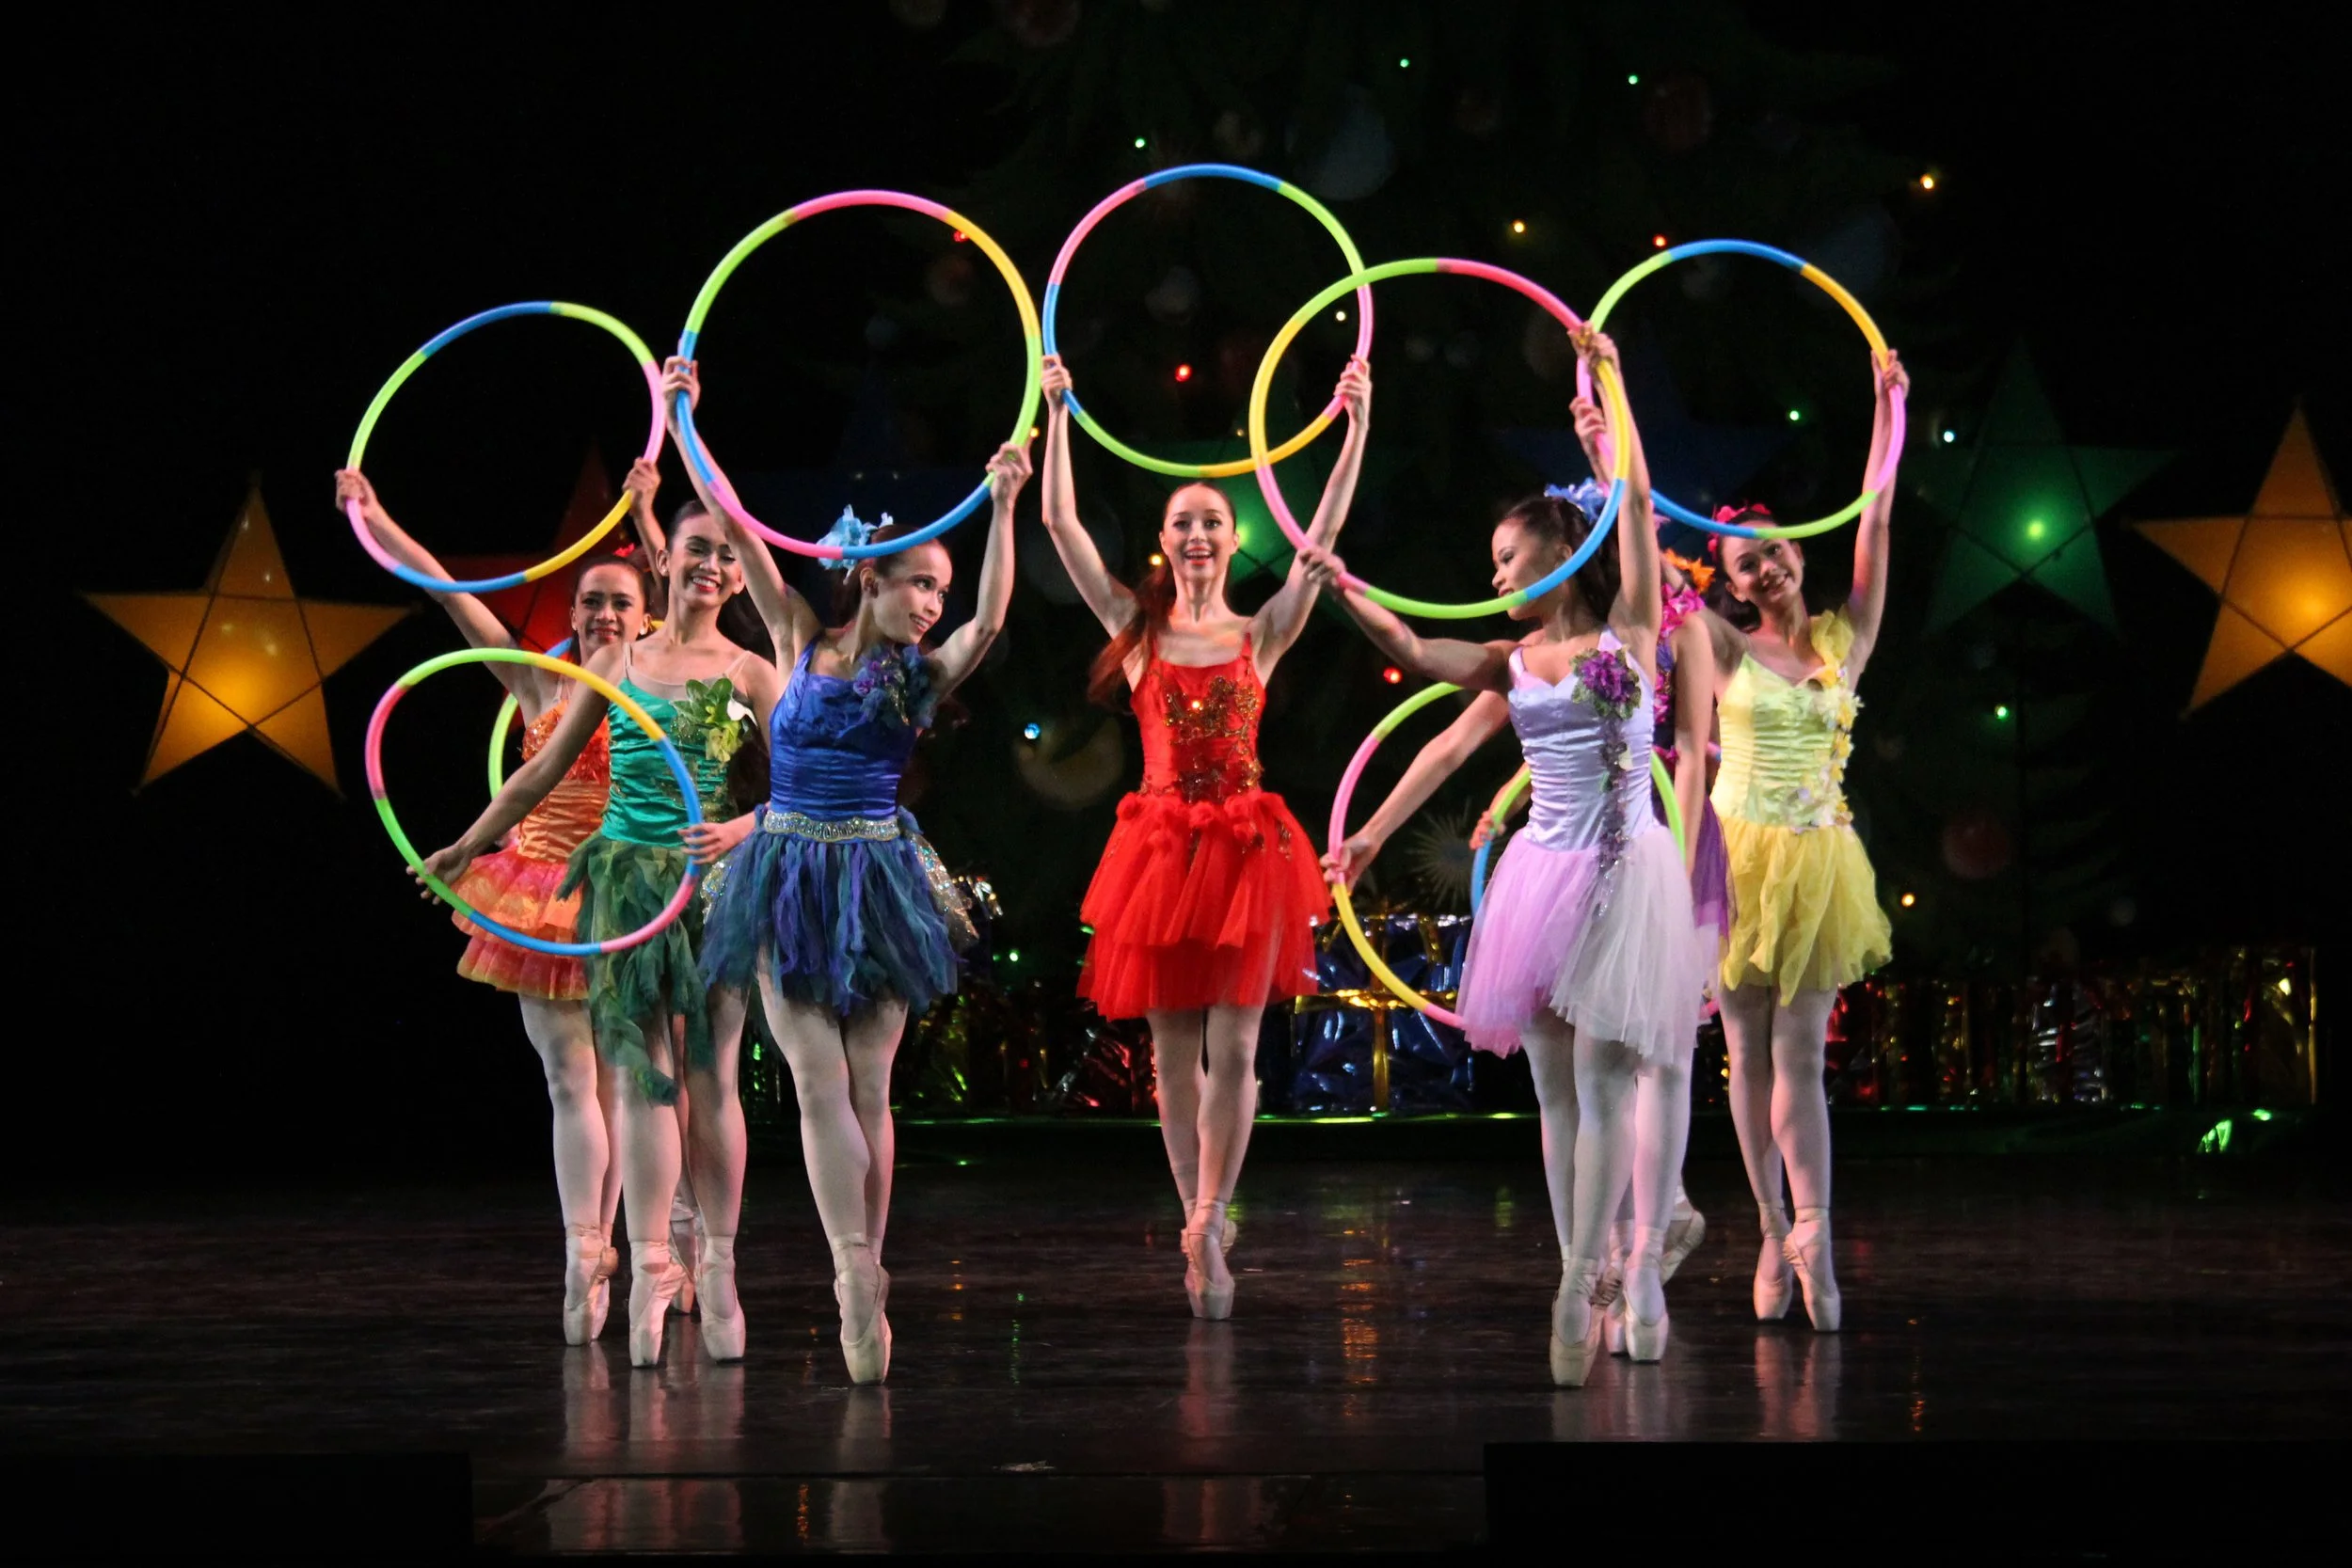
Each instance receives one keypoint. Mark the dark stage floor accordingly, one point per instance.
(1050, 1389)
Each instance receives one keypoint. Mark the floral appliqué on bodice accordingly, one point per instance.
(1787, 743)
(1209, 723)
(1607, 682)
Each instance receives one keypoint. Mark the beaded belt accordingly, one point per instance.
(829, 829)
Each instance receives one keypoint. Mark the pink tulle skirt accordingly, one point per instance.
(1634, 972)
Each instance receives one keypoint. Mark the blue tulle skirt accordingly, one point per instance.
(850, 923)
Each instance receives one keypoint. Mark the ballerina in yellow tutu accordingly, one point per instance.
(1806, 918)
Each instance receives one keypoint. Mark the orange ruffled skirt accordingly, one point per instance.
(521, 893)
(1202, 904)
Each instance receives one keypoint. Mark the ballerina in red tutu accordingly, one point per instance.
(1204, 906)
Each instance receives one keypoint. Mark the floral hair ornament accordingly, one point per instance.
(1699, 572)
(848, 533)
(1732, 515)
(1587, 496)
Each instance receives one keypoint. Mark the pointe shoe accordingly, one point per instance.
(857, 1285)
(1807, 1247)
(1645, 1288)
(1576, 1324)
(600, 1300)
(584, 1275)
(685, 1226)
(1684, 1233)
(1609, 1301)
(656, 1284)
(1208, 1284)
(723, 1333)
(1774, 1289)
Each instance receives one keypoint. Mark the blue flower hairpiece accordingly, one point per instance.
(849, 532)
(1587, 496)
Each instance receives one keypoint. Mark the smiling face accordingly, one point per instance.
(906, 593)
(1523, 555)
(700, 564)
(607, 606)
(1764, 572)
(1197, 534)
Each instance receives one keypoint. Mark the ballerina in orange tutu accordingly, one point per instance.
(1204, 906)
(518, 887)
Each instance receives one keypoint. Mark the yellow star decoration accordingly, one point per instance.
(2284, 571)
(246, 654)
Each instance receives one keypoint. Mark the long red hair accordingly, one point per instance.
(1155, 600)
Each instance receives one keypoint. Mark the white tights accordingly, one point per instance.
(1588, 1091)
(586, 1110)
(1779, 1101)
(841, 1072)
(1662, 1134)
(1205, 1062)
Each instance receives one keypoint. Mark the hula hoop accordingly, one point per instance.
(604, 688)
(503, 725)
(1876, 482)
(1613, 394)
(1339, 895)
(1215, 172)
(698, 456)
(409, 367)
(1508, 797)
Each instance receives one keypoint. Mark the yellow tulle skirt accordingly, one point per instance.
(1806, 913)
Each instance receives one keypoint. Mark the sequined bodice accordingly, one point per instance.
(572, 809)
(1590, 771)
(837, 751)
(1785, 744)
(1200, 727)
(644, 806)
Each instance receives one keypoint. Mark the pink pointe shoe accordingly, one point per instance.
(686, 1230)
(1807, 1247)
(1208, 1283)
(588, 1266)
(723, 1327)
(1684, 1233)
(1774, 1289)
(1576, 1322)
(857, 1285)
(654, 1286)
(1643, 1308)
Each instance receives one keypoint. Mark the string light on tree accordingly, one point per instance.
(1031, 731)
(1519, 226)
(1658, 242)
(1184, 372)
(1910, 899)
(1392, 675)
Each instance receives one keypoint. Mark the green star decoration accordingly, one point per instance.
(2022, 502)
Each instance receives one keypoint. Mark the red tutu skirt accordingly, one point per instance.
(519, 893)
(1202, 904)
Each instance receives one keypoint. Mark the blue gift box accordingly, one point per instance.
(1357, 1049)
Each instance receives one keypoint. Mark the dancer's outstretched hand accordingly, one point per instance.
(1355, 389)
(446, 864)
(351, 486)
(1598, 346)
(644, 482)
(1007, 471)
(1482, 832)
(1349, 862)
(1592, 428)
(1322, 568)
(681, 375)
(1892, 376)
(1054, 379)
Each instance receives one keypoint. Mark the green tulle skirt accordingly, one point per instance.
(622, 886)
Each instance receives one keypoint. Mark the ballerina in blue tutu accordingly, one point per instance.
(835, 906)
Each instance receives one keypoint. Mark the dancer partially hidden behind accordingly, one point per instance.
(1806, 919)
(653, 1019)
(1204, 904)
(836, 908)
(517, 886)
(1585, 949)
